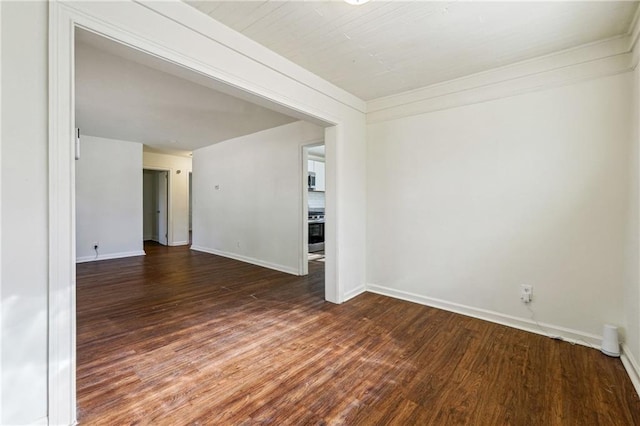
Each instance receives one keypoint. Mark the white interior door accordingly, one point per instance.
(162, 210)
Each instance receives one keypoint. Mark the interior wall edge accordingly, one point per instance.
(109, 256)
(43, 421)
(526, 324)
(631, 366)
(454, 97)
(1, 373)
(634, 35)
(589, 52)
(214, 30)
(246, 259)
(634, 30)
(178, 243)
(355, 292)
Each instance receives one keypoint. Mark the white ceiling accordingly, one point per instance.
(119, 97)
(387, 47)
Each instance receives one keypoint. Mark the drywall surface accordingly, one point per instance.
(632, 281)
(465, 205)
(247, 201)
(108, 199)
(179, 168)
(24, 212)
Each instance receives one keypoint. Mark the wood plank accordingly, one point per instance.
(182, 337)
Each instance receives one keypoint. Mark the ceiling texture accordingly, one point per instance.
(373, 50)
(384, 48)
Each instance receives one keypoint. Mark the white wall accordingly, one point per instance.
(108, 199)
(179, 168)
(315, 200)
(256, 215)
(467, 204)
(24, 212)
(25, 254)
(632, 276)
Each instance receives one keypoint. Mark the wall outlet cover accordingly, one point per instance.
(526, 293)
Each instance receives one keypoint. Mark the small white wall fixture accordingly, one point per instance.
(175, 32)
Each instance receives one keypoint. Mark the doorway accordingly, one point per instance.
(313, 158)
(155, 205)
(240, 78)
(190, 195)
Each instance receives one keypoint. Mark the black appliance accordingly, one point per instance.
(311, 181)
(316, 230)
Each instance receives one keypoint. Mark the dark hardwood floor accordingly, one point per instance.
(181, 337)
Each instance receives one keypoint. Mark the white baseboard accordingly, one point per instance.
(632, 367)
(353, 293)
(84, 259)
(179, 243)
(253, 261)
(526, 324)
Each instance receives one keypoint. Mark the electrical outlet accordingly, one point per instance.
(526, 293)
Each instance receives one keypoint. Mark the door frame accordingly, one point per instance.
(304, 234)
(190, 205)
(175, 32)
(169, 172)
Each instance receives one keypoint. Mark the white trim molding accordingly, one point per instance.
(1, 339)
(632, 367)
(629, 362)
(634, 34)
(599, 59)
(355, 292)
(247, 259)
(62, 324)
(207, 26)
(43, 421)
(85, 259)
(634, 31)
(174, 31)
(526, 324)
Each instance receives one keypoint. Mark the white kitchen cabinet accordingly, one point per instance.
(319, 169)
